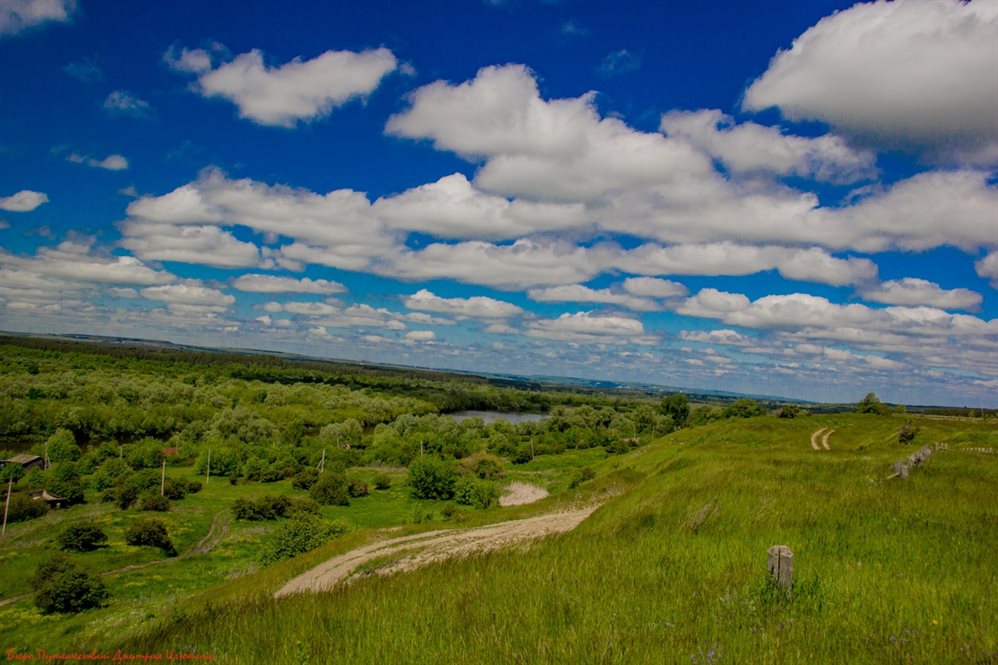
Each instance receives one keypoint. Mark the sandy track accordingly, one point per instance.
(824, 439)
(421, 549)
(814, 438)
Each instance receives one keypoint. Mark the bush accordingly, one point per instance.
(906, 434)
(177, 488)
(298, 535)
(70, 490)
(382, 481)
(431, 478)
(580, 476)
(357, 488)
(82, 538)
(23, 507)
(474, 492)
(331, 490)
(151, 500)
(264, 508)
(304, 479)
(60, 586)
(744, 408)
(481, 465)
(150, 533)
(522, 455)
(790, 411)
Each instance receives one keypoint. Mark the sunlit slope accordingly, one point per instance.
(673, 569)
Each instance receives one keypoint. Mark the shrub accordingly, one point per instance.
(580, 476)
(522, 455)
(298, 535)
(790, 411)
(11, 472)
(481, 465)
(382, 481)
(264, 508)
(304, 479)
(744, 408)
(906, 434)
(357, 488)
(474, 492)
(152, 500)
(60, 586)
(431, 478)
(23, 507)
(177, 488)
(331, 490)
(150, 533)
(82, 538)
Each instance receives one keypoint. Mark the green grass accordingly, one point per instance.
(673, 568)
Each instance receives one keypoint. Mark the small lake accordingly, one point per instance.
(492, 416)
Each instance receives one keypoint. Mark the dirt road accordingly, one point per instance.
(814, 438)
(824, 439)
(409, 552)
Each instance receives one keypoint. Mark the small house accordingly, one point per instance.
(42, 495)
(27, 462)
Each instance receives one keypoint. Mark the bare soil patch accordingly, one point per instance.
(519, 493)
(814, 438)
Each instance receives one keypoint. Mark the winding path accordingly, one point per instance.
(409, 552)
(218, 530)
(814, 438)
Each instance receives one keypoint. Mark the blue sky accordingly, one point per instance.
(771, 197)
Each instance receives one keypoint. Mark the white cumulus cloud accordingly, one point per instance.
(25, 200)
(894, 73)
(913, 291)
(18, 15)
(299, 90)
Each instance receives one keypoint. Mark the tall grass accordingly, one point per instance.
(673, 569)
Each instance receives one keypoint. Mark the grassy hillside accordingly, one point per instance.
(672, 568)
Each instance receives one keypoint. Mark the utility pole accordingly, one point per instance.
(162, 481)
(322, 462)
(207, 472)
(10, 485)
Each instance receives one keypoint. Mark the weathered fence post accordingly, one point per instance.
(781, 566)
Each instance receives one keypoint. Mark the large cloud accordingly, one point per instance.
(18, 15)
(801, 311)
(275, 284)
(894, 73)
(299, 90)
(753, 148)
(23, 201)
(914, 291)
(559, 149)
(475, 307)
(585, 327)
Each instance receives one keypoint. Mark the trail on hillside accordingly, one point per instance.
(409, 552)
(218, 530)
(824, 439)
(814, 438)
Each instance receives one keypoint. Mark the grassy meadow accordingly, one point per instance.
(672, 567)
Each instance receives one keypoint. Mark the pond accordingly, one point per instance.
(492, 416)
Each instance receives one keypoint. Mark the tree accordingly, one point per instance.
(431, 478)
(61, 447)
(677, 406)
(332, 489)
(744, 408)
(872, 404)
(60, 586)
(82, 537)
(150, 533)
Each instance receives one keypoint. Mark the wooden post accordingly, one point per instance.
(162, 480)
(322, 462)
(781, 566)
(207, 472)
(6, 507)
